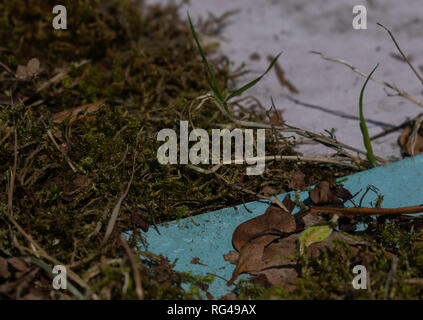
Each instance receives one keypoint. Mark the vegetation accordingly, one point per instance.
(79, 113)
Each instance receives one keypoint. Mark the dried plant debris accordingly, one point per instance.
(79, 114)
(86, 105)
(294, 258)
(411, 139)
(297, 181)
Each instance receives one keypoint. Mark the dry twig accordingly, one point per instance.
(137, 276)
(116, 209)
(399, 91)
(369, 211)
(406, 59)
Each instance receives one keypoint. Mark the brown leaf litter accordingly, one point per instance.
(267, 246)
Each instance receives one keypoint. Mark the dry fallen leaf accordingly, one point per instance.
(276, 277)
(231, 257)
(18, 264)
(229, 296)
(311, 219)
(276, 119)
(250, 256)
(251, 249)
(322, 194)
(275, 218)
(268, 191)
(288, 203)
(196, 260)
(280, 252)
(73, 191)
(33, 67)
(4, 272)
(343, 193)
(72, 114)
(405, 142)
(139, 222)
(297, 181)
(317, 248)
(29, 71)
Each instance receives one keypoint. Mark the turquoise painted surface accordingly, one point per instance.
(400, 183)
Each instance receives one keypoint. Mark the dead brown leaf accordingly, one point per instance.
(288, 203)
(4, 272)
(73, 190)
(18, 264)
(280, 252)
(35, 294)
(250, 256)
(280, 73)
(276, 277)
(328, 244)
(311, 219)
(29, 71)
(229, 296)
(275, 218)
(343, 193)
(196, 260)
(406, 143)
(297, 180)
(139, 222)
(276, 119)
(322, 194)
(268, 191)
(231, 257)
(73, 114)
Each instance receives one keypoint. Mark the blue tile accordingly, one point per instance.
(400, 183)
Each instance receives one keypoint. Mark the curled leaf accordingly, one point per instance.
(275, 218)
(72, 114)
(29, 71)
(322, 194)
(297, 180)
(250, 257)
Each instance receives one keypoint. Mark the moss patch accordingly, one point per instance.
(139, 70)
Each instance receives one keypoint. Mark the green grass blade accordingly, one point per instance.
(363, 125)
(252, 83)
(49, 270)
(214, 85)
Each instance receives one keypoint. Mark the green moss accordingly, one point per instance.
(144, 68)
(329, 275)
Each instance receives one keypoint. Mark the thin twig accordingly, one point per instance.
(320, 159)
(415, 281)
(414, 134)
(327, 141)
(116, 209)
(12, 175)
(369, 211)
(136, 272)
(391, 275)
(402, 53)
(400, 92)
(60, 76)
(272, 199)
(41, 252)
(50, 135)
(390, 130)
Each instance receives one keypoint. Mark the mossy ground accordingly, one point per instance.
(144, 70)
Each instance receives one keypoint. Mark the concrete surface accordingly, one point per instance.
(328, 92)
